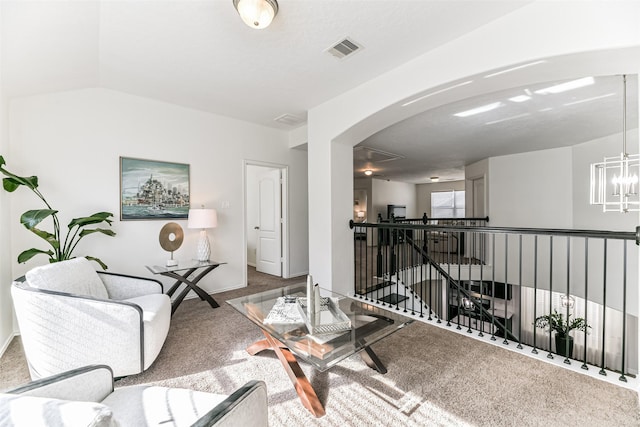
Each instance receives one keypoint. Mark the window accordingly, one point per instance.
(447, 204)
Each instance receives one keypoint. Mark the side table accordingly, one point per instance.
(181, 273)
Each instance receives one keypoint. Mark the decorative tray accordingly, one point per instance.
(328, 320)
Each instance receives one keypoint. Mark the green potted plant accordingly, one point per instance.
(61, 249)
(557, 323)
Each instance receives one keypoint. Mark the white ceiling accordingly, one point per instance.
(199, 54)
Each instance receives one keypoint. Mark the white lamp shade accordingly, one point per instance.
(256, 13)
(360, 214)
(202, 218)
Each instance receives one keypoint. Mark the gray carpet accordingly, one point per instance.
(435, 377)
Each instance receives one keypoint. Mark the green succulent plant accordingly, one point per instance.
(61, 249)
(561, 326)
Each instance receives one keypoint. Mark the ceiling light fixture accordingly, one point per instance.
(563, 87)
(508, 70)
(437, 92)
(614, 182)
(478, 110)
(368, 172)
(435, 178)
(257, 14)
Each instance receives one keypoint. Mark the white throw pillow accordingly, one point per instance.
(74, 276)
(28, 411)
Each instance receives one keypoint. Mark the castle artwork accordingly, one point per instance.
(152, 189)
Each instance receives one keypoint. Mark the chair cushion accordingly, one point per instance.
(28, 411)
(74, 276)
(141, 406)
(156, 318)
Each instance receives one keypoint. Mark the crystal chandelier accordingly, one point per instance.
(614, 182)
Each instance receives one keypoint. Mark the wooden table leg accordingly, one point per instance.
(300, 382)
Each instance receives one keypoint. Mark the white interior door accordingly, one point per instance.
(269, 243)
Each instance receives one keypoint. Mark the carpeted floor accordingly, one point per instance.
(435, 377)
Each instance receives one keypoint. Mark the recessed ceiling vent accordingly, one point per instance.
(289, 120)
(344, 48)
(372, 155)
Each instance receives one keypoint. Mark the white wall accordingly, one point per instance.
(386, 193)
(6, 310)
(72, 141)
(531, 189)
(423, 194)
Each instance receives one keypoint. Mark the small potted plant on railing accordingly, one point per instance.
(557, 323)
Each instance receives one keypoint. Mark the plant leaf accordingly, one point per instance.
(14, 181)
(30, 253)
(97, 230)
(102, 264)
(96, 218)
(50, 238)
(34, 217)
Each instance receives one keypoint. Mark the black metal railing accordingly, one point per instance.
(505, 281)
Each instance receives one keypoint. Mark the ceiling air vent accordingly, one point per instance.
(373, 155)
(344, 48)
(289, 119)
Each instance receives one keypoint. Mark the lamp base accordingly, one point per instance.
(172, 263)
(204, 248)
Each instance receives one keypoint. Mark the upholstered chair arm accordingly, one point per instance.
(88, 383)
(63, 331)
(121, 286)
(246, 407)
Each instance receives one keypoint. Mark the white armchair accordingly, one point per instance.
(69, 316)
(86, 397)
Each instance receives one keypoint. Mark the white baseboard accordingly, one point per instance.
(291, 275)
(251, 264)
(7, 342)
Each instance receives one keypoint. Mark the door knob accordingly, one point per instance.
(256, 228)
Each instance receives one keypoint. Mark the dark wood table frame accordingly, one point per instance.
(181, 277)
(303, 387)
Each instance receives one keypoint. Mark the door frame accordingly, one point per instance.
(284, 173)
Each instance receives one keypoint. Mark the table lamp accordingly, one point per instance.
(203, 219)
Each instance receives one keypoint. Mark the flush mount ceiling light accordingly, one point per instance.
(434, 179)
(368, 172)
(257, 14)
(614, 182)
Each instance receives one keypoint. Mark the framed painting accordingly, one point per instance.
(151, 189)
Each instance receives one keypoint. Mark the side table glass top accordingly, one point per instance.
(182, 265)
(369, 324)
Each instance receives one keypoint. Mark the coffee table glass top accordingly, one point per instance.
(182, 265)
(368, 324)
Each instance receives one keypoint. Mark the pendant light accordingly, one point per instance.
(614, 182)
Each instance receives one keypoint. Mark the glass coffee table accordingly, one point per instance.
(282, 322)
